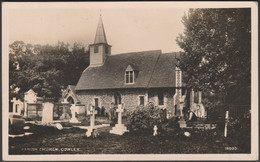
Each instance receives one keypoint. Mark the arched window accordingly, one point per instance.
(70, 100)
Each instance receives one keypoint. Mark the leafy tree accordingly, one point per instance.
(44, 68)
(217, 53)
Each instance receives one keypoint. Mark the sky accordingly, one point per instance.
(128, 28)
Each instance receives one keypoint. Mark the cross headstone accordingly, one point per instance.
(226, 123)
(14, 104)
(155, 128)
(92, 112)
(119, 128)
(73, 114)
(17, 106)
(120, 110)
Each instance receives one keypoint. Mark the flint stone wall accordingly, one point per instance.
(129, 97)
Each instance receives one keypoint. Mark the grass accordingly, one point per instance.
(49, 140)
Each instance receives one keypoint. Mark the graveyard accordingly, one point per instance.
(99, 135)
(78, 99)
(48, 140)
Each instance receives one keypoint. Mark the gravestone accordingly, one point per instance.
(92, 112)
(47, 113)
(64, 104)
(17, 106)
(202, 111)
(30, 97)
(182, 123)
(74, 110)
(58, 126)
(119, 128)
(155, 128)
(226, 124)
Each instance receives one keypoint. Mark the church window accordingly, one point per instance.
(141, 100)
(129, 77)
(96, 102)
(95, 49)
(160, 98)
(117, 97)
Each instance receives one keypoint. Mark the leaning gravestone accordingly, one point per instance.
(119, 128)
(47, 113)
(58, 126)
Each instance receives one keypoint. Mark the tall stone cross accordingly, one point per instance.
(92, 112)
(119, 128)
(120, 110)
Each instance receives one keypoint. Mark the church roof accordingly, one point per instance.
(100, 34)
(154, 70)
(164, 71)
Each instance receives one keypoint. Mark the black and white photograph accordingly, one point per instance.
(130, 81)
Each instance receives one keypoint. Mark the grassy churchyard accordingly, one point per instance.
(73, 140)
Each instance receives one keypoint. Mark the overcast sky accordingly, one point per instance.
(128, 28)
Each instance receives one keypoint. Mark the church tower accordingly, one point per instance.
(100, 49)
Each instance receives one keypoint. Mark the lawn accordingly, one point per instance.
(49, 140)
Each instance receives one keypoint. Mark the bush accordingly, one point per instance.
(144, 118)
(171, 125)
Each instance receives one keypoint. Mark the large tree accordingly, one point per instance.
(44, 68)
(217, 53)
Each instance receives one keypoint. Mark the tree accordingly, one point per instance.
(44, 68)
(217, 53)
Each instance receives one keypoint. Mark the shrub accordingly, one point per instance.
(171, 125)
(144, 118)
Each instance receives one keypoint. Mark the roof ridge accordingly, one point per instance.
(136, 52)
(153, 70)
(170, 53)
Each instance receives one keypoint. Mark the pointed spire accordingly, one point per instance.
(100, 34)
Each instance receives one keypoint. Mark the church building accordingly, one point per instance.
(131, 79)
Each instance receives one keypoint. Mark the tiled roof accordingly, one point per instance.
(154, 70)
(164, 71)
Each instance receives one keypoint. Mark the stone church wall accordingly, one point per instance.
(105, 98)
(129, 97)
(168, 98)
